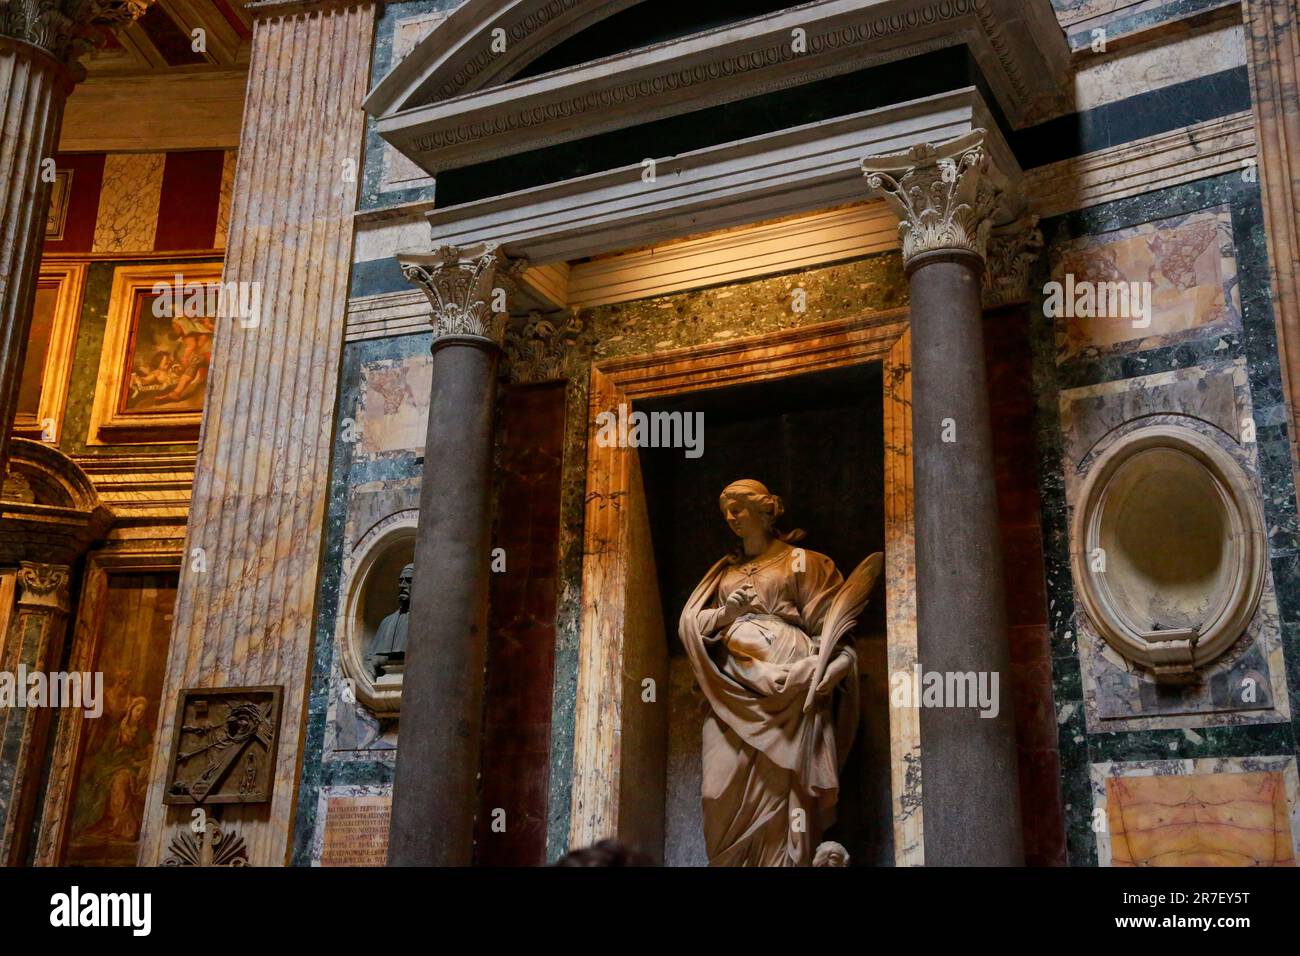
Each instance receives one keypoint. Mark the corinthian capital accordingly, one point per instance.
(467, 288)
(943, 195)
(66, 28)
(1013, 250)
(43, 585)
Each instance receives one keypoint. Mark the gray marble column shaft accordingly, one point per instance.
(435, 789)
(969, 777)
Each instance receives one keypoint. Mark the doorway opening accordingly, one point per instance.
(817, 440)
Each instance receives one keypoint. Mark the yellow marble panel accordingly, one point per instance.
(127, 220)
(223, 202)
(1187, 264)
(1221, 819)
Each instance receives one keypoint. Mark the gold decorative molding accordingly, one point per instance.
(68, 279)
(943, 195)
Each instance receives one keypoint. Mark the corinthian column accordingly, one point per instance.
(247, 596)
(33, 648)
(435, 786)
(945, 199)
(39, 46)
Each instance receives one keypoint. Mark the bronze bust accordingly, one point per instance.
(388, 648)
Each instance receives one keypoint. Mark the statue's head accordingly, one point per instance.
(831, 854)
(749, 507)
(404, 586)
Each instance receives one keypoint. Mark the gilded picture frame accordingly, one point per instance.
(51, 345)
(153, 368)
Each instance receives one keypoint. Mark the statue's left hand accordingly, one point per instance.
(835, 672)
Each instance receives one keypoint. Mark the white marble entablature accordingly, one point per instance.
(452, 100)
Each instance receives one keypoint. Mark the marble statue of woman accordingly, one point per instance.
(767, 634)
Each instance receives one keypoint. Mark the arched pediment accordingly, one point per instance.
(462, 55)
(43, 475)
(50, 509)
(455, 100)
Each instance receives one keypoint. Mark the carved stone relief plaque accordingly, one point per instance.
(224, 746)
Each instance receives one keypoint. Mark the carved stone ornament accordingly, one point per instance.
(223, 745)
(1012, 252)
(466, 286)
(1169, 550)
(542, 349)
(43, 585)
(943, 195)
(66, 28)
(210, 846)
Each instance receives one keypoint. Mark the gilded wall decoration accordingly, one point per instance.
(157, 347)
(51, 344)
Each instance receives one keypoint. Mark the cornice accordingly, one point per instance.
(1022, 53)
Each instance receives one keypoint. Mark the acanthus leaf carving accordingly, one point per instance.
(466, 288)
(543, 349)
(943, 195)
(43, 585)
(1012, 252)
(67, 28)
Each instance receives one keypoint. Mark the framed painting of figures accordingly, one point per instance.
(100, 763)
(153, 371)
(51, 342)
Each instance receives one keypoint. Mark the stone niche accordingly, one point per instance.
(369, 589)
(1169, 553)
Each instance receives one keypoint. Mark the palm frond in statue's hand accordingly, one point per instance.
(844, 612)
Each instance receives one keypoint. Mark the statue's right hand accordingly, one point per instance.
(741, 601)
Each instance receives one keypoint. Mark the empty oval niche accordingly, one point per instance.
(1172, 563)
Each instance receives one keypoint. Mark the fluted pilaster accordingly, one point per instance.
(34, 87)
(247, 590)
(1273, 56)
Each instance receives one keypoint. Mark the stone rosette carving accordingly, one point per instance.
(43, 585)
(66, 28)
(466, 287)
(543, 348)
(1012, 252)
(943, 195)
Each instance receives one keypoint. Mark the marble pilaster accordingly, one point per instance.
(34, 85)
(1273, 58)
(247, 589)
(33, 647)
(945, 198)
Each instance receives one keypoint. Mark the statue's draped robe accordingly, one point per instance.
(764, 758)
